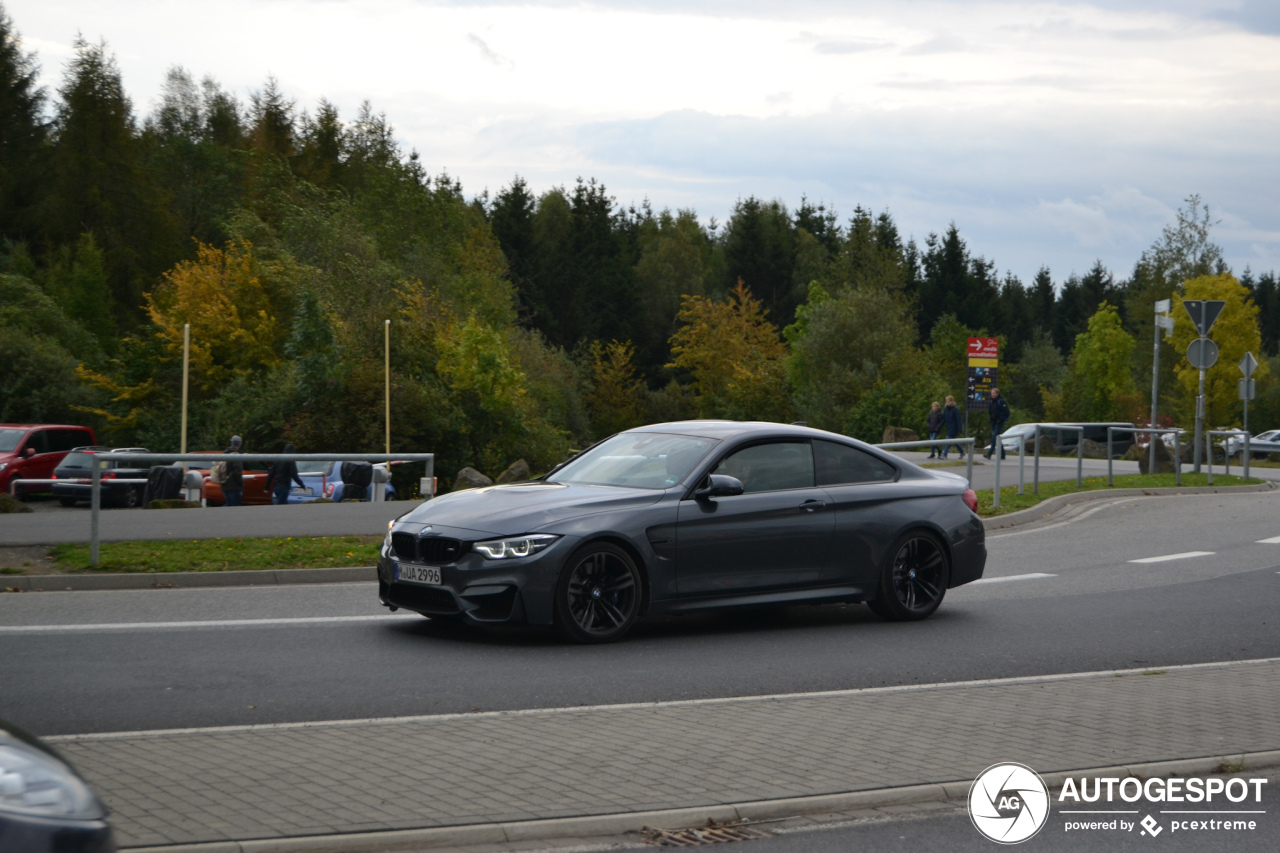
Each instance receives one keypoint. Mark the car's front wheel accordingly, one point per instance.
(914, 580)
(598, 595)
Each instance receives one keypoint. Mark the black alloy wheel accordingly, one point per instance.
(598, 595)
(132, 498)
(915, 579)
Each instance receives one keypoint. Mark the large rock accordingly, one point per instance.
(1094, 449)
(1134, 453)
(470, 478)
(518, 472)
(1047, 447)
(1164, 459)
(893, 433)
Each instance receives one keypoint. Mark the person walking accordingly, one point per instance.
(998, 413)
(933, 425)
(283, 475)
(233, 476)
(953, 423)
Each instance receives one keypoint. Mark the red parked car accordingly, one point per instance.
(32, 451)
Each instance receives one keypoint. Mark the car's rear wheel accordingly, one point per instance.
(131, 499)
(598, 595)
(914, 580)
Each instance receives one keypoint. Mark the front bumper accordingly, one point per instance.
(479, 590)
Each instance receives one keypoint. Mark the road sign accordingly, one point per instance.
(1162, 306)
(978, 388)
(983, 352)
(1246, 389)
(1247, 365)
(1204, 312)
(1165, 323)
(1203, 353)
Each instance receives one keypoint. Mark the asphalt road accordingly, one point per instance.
(1063, 598)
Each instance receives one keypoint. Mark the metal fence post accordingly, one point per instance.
(1110, 479)
(95, 507)
(1022, 453)
(1247, 454)
(1035, 466)
(1080, 460)
(1226, 457)
(1177, 459)
(995, 494)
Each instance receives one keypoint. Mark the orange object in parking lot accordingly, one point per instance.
(255, 482)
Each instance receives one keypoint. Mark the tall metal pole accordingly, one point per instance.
(1199, 422)
(387, 343)
(1246, 429)
(186, 366)
(1155, 396)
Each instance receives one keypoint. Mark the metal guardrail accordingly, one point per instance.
(1035, 487)
(97, 460)
(1226, 450)
(903, 445)
(1177, 449)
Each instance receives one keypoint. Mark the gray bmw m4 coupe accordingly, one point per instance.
(694, 515)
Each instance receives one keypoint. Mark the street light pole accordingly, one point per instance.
(186, 365)
(387, 347)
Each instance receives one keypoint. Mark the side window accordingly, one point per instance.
(39, 439)
(67, 439)
(771, 467)
(839, 464)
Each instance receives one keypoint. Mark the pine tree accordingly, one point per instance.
(23, 137)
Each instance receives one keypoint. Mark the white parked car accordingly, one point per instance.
(1259, 445)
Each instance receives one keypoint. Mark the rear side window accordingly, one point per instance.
(771, 467)
(66, 439)
(839, 464)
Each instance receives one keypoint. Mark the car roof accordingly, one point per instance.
(736, 429)
(44, 426)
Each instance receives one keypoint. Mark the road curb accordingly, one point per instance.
(165, 580)
(617, 824)
(1043, 510)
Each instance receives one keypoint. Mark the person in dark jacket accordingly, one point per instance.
(954, 424)
(998, 413)
(933, 425)
(233, 479)
(283, 475)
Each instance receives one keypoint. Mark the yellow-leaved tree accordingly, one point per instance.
(735, 355)
(616, 401)
(1236, 332)
(233, 331)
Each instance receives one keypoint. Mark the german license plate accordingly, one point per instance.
(298, 490)
(410, 573)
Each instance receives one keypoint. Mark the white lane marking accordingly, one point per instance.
(1028, 577)
(220, 623)
(1274, 540)
(1074, 518)
(675, 703)
(1166, 557)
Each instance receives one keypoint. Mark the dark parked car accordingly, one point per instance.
(45, 807)
(75, 481)
(32, 451)
(689, 516)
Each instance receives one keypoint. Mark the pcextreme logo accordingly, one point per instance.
(1008, 803)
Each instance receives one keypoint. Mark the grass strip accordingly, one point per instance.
(221, 555)
(1011, 501)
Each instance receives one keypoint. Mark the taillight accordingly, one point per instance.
(970, 500)
(108, 475)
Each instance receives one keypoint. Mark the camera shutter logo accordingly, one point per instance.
(1008, 803)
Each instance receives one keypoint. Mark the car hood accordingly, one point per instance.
(510, 510)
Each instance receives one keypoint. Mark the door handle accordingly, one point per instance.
(812, 505)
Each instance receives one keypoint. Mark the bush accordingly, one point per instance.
(8, 503)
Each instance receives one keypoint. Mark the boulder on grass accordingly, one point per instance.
(893, 433)
(1047, 447)
(1164, 459)
(470, 478)
(1134, 453)
(518, 472)
(1094, 449)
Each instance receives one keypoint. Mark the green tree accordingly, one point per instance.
(1235, 332)
(1099, 385)
(760, 249)
(617, 398)
(23, 136)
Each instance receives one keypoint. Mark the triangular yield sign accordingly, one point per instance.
(1204, 313)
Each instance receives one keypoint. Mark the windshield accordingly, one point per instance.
(639, 460)
(314, 467)
(9, 439)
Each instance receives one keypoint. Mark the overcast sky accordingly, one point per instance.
(1050, 133)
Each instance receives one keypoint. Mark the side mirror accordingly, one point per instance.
(719, 486)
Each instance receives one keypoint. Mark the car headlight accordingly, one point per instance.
(386, 541)
(3, 465)
(35, 783)
(516, 546)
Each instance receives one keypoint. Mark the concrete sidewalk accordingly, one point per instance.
(499, 774)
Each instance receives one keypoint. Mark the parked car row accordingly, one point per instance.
(33, 451)
(1067, 440)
